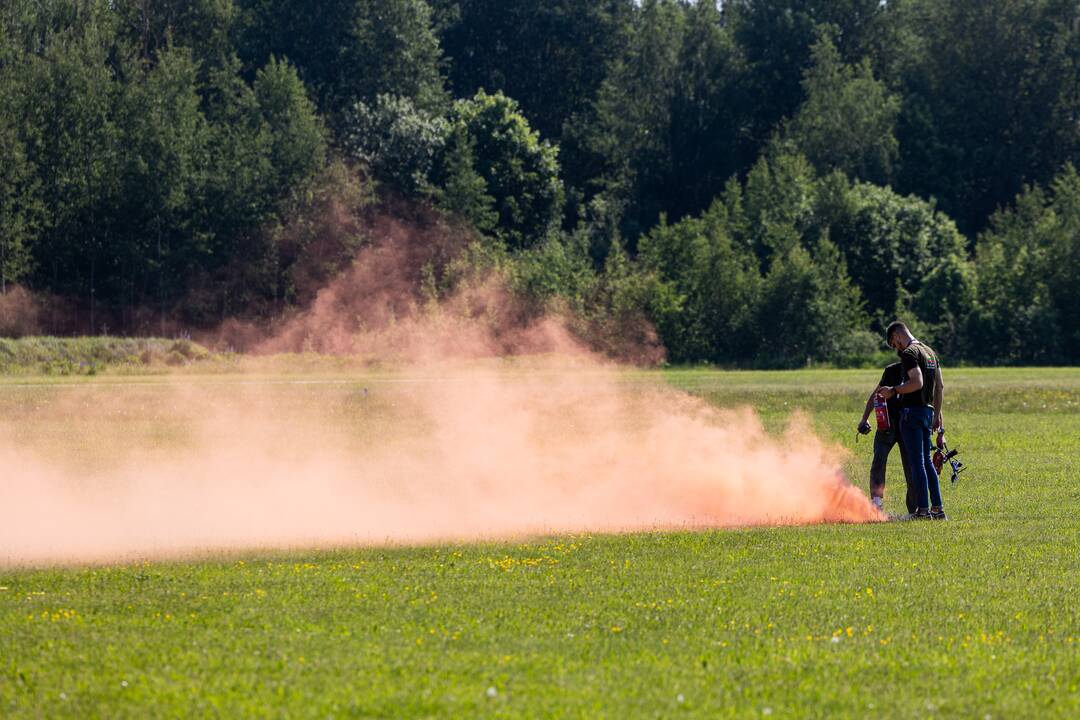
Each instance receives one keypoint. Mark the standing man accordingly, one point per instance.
(920, 414)
(884, 440)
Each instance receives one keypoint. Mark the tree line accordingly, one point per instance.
(767, 183)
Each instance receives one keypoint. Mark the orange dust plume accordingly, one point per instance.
(127, 471)
(449, 446)
(413, 297)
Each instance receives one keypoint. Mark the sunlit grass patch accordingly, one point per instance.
(974, 617)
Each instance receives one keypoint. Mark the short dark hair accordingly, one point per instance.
(894, 327)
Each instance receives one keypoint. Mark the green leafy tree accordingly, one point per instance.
(463, 191)
(629, 133)
(520, 171)
(18, 208)
(778, 204)
(891, 244)
(21, 211)
(201, 26)
(716, 281)
(809, 310)
(848, 119)
(321, 234)
(1063, 273)
(708, 114)
(68, 109)
(348, 50)
(28, 24)
(237, 200)
(776, 38)
(945, 303)
(621, 311)
(398, 142)
(549, 56)
(556, 275)
(266, 146)
(991, 97)
(164, 135)
(297, 148)
(1028, 265)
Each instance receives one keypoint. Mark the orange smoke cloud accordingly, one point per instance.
(450, 447)
(386, 306)
(20, 312)
(177, 468)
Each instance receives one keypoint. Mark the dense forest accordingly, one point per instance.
(768, 182)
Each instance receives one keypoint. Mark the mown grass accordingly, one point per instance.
(976, 617)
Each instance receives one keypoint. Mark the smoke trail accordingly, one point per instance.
(386, 307)
(475, 453)
(450, 447)
(20, 312)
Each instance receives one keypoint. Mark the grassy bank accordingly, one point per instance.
(93, 355)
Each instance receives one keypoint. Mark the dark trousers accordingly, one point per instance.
(915, 429)
(884, 440)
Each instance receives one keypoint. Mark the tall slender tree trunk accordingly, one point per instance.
(93, 264)
(161, 277)
(52, 305)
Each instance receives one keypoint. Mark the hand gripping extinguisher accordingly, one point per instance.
(881, 412)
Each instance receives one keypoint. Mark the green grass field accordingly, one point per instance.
(978, 617)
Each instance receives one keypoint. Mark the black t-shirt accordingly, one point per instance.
(893, 376)
(917, 354)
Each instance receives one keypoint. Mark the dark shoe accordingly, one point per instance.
(938, 514)
(920, 514)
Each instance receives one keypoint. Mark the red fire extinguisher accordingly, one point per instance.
(881, 412)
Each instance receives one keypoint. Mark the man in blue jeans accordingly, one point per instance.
(920, 415)
(884, 440)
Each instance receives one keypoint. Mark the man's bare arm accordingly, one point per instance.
(869, 405)
(914, 382)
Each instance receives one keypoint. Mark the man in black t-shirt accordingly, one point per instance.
(884, 440)
(920, 394)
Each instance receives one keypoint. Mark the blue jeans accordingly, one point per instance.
(915, 429)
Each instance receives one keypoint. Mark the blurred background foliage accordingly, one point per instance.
(765, 183)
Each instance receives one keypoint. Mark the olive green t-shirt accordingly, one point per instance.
(922, 356)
